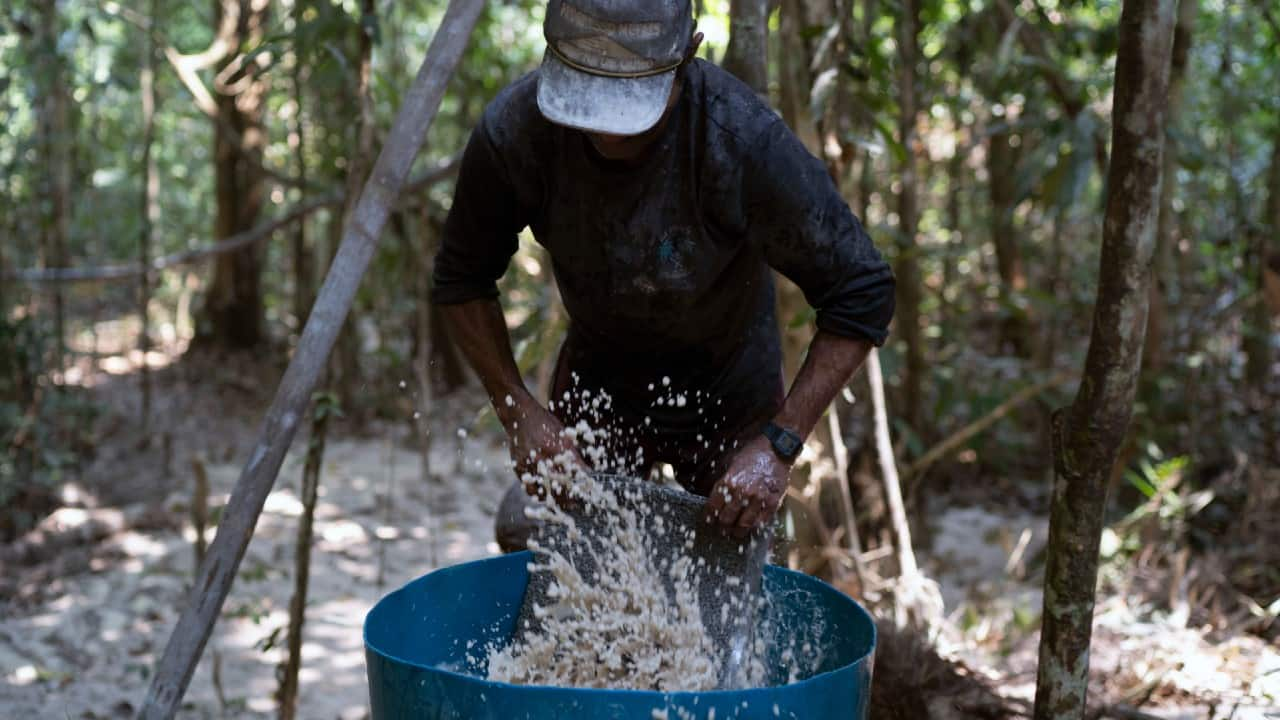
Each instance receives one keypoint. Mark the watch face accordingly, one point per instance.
(788, 444)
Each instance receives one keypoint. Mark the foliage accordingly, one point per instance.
(979, 79)
(40, 429)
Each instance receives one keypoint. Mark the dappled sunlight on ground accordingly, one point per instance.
(86, 653)
(980, 557)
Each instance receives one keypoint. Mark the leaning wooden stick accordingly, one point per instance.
(359, 239)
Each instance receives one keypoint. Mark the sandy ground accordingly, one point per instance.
(1138, 653)
(82, 646)
(86, 653)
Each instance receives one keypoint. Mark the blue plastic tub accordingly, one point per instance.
(426, 649)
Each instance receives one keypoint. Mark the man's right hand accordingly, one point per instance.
(540, 448)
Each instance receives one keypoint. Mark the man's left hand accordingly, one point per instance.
(750, 491)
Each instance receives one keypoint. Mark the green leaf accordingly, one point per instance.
(1139, 482)
(890, 141)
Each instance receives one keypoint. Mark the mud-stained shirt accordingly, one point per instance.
(664, 264)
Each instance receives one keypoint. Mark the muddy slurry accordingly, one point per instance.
(613, 613)
(630, 590)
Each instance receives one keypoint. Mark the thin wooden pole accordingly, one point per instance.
(360, 238)
(889, 468)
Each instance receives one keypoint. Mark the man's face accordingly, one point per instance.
(623, 147)
(630, 147)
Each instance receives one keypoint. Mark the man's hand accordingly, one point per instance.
(750, 491)
(540, 448)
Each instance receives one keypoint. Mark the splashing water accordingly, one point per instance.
(618, 612)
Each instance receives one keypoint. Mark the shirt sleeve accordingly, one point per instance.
(810, 235)
(480, 233)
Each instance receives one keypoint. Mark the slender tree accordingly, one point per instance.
(55, 143)
(907, 266)
(1002, 169)
(304, 284)
(150, 209)
(747, 53)
(324, 407)
(1162, 265)
(187, 641)
(1088, 434)
(233, 310)
(1269, 261)
(346, 358)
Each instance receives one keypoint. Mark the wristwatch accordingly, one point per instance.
(786, 443)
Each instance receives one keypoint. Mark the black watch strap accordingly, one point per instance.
(786, 443)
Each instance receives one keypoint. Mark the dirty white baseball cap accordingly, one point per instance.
(610, 64)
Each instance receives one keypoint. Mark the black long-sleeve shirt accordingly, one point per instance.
(664, 264)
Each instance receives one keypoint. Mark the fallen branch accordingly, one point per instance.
(968, 432)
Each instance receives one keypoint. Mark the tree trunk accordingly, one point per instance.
(747, 54)
(304, 282)
(1162, 265)
(233, 312)
(150, 208)
(346, 359)
(1002, 162)
(794, 83)
(1258, 324)
(172, 672)
(56, 154)
(287, 694)
(1088, 434)
(906, 266)
(866, 177)
(1269, 306)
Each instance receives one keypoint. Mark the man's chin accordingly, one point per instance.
(613, 147)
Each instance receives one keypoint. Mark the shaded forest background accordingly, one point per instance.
(220, 145)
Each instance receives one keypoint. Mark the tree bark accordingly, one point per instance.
(1087, 435)
(173, 670)
(287, 694)
(794, 83)
(233, 311)
(56, 154)
(1269, 306)
(906, 266)
(346, 361)
(1258, 324)
(150, 207)
(748, 51)
(304, 282)
(1002, 163)
(1162, 268)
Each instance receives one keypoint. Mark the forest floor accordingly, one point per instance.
(87, 599)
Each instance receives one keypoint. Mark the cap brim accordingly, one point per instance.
(594, 103)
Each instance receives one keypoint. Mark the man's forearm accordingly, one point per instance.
(830, 363)
(479, 328)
